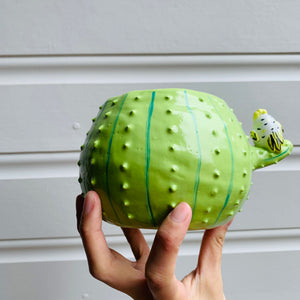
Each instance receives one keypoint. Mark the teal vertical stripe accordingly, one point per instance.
(232, 162)
(108, 157)
(147, 159)
(197, 176)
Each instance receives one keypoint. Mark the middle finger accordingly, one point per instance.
(138, 244)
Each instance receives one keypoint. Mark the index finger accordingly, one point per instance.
(160, 268)
(210, 256)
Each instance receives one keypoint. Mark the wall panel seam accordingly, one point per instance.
(147, 69)
(70, 249)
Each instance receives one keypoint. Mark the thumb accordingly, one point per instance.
(92, 235)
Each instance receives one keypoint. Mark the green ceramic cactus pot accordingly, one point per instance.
(149, 150)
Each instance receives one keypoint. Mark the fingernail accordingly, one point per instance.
(179, 213)
(88, 204)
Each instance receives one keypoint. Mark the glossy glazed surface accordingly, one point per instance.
(149, 150)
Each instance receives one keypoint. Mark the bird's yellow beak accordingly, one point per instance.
(258, 113)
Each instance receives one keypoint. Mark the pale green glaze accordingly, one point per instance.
(149, 150)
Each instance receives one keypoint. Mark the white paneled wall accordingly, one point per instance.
(141, 26)
(60, 60)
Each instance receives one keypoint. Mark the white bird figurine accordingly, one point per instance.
(267, 133)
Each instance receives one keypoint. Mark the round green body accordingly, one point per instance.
(149, 150)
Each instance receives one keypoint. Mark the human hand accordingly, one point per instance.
(152, 275)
